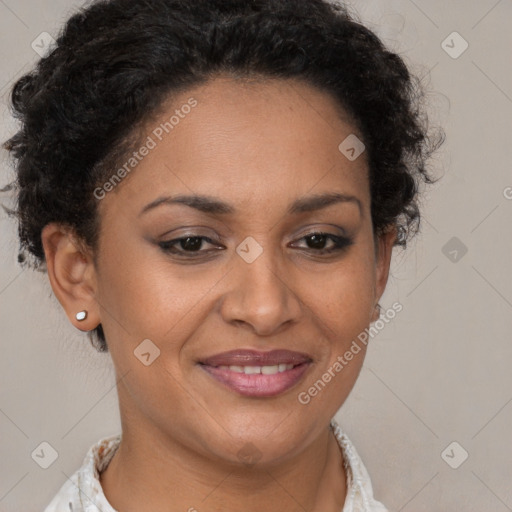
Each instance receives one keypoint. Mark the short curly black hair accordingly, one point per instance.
(115, 62)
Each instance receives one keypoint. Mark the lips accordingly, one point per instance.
(257, 374)
(256, 358)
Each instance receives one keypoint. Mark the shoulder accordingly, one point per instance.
(82, 492)
(64, 500)
(359, 487)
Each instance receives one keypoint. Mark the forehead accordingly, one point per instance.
(247, 142)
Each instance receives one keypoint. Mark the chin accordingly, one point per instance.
(258, 438)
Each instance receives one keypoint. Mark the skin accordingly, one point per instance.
(258, 147)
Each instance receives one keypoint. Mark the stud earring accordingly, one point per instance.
(81, 315)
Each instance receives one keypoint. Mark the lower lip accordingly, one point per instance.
(258, 385)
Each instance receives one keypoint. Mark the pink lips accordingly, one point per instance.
(257, 384)
(256, 358)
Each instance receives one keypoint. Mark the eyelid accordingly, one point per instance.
(323, 228)
(340, 244)
(190, 232)
(339, 241)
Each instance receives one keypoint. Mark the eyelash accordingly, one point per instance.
(340, 244)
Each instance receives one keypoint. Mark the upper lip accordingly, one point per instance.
(246, 357)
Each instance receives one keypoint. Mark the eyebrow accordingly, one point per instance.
(213, 206)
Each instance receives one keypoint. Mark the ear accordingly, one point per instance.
(383, 251)
(72, 274)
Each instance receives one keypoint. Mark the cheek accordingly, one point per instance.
(343, 307)
(143, 296)
(342, 316)
(345, 297)
(160, 302)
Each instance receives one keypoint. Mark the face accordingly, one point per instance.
(260, 264)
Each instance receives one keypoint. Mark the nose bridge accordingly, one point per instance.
(262, 274)
(259, 295)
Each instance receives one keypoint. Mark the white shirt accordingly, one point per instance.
(83, 492)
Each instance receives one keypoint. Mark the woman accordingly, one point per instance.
(215, 189)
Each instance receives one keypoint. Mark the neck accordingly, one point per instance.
(152, 472)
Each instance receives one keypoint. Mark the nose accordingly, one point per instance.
(261, 297)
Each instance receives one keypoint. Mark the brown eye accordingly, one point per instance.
(317, 242)
(186, 244)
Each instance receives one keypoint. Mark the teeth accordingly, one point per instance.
(270, 370)
(249, 370)
(265, 370)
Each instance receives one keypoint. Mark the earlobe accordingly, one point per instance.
(376, 313)
(72, 276)
(385, 249)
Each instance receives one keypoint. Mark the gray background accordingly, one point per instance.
(438, 373)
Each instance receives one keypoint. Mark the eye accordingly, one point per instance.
(191, 246)
(188, 244)
(317, 241)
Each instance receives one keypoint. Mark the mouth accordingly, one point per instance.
(257, 374)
